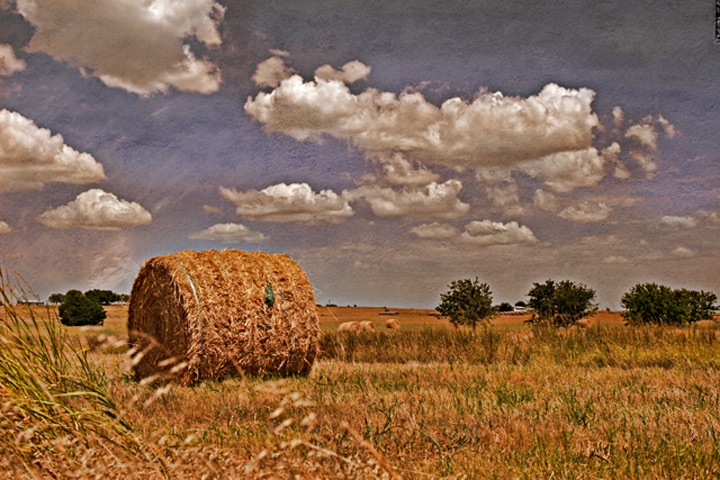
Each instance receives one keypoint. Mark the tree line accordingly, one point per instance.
(78, 308)
(564, 303)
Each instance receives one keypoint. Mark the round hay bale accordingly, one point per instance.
(353, 327)
(367, 326)
(392, 323)
(206, 315)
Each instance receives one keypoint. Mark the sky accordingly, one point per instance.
(389, 147)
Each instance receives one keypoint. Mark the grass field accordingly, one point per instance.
(429, 401)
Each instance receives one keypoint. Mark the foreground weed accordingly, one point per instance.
(54, 405)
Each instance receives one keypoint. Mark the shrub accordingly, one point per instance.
(562, 303)
(77, 310)
(658, 304)
(466, 303)
(504, 307)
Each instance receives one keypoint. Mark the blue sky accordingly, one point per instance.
(389, 147)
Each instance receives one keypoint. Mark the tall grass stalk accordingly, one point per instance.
(54, 405)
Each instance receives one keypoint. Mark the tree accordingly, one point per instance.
(77, 309)
(562, 303)
(466, 303)
(658, 304)
(504, 307)
(103, 297)
(521, 304)
(56, 298)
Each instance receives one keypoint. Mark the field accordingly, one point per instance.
(429, 401)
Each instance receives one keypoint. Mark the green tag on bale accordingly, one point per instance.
(269, 296)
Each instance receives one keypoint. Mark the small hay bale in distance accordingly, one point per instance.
(352, 327)
(206, 315)
(367, 326)
(392, 323)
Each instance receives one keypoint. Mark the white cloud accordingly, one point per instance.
(709, 217)
(618, 116)
(490, 130)
(96, 210)
(546, 201)
(487, 232)
(646, 161)
(229, 233)
(351, 72)
(669, 128)
(645, 133)
(565, 171)
(615, 260)
(683, 252)
(435, 231)
(271, 72)
(398, 170)
(296, 202)
(140, 46)
(676, 221)
(5, 228)
(505, 196)
(586, 212)
(433, 200)
(31, 156)
(9, 63)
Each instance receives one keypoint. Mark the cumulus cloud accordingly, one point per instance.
(683, 252)
(140, 46)
(438, 200)
(271, 72)
(31, 156)
(296, 202)
(645, 133)
(96, 210)
(615, 260)
(400, 171)
(229, 233)
(5, 228)
(351, 72)
(9, 63)
(565, 171)
(487, 232)
(676, 221)
(506, 197)
(586, 212)
(435, 231)
(492, 129)
(546, 201)
(618, 116)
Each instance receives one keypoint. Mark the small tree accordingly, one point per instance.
(56, 298)
(658, 304)
(466, 303)
(562, 303)
(77, 309)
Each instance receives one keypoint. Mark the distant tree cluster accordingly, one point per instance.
(77, 308)
(564, 303)
(102, 297)
(659, 304)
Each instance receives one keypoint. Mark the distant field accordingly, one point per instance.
(331, 317)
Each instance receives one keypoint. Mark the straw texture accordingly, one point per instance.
(206, 315)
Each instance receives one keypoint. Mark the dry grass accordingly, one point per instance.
(427, 401)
